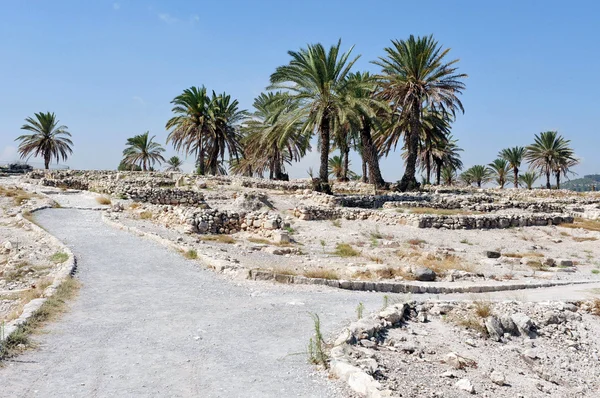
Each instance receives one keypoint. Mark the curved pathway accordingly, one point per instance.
(148, 323)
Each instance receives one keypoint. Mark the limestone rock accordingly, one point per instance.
(425, 274)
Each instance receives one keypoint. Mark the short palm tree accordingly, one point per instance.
(528, 179)
(316, 79)
(550, 153)
(446, 156)
(142, 150)
(415, 76)
(174, 164)
(448, 174)
(48, 139)
(336, 167)
(514, 157)
(478, 174)
(500, 167)
(272, 137)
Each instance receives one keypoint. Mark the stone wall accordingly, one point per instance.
(484, 221)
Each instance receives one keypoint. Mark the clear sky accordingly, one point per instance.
(109, 69)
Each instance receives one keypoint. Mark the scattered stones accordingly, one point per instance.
(498, 378)
(492, 254)
(465, 385)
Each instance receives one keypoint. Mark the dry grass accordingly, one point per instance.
(584, 239)
(287, 271)
(590, 225)
(25, 297)
(218, 238)
(21, 269)
(146, 215)
(134, 205)
(416, 242)
(375, 259)
(103, 200)
(321, 273)
(261, 241)
(345, 250)
(19, 195)
(442, 263)
(54, 306)
(596, 306)
(536, 265)
(483, 308)
(522, 255)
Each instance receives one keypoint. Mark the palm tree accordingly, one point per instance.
(174, 164)
(143, 150)
(336, 167)
(528, 179)
(500, 167)
(416, 77)
(316, 78)
(446, 156)
(478, 174)
(449, 175)
(360, 90)
(191, 126)
(49, 140)
(273, 137)
(514, 157)
(550, 153)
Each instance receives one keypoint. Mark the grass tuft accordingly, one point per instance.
(59, 257)
(590, 225)
(345, 250)
(103, 200)
(317, 348)
(146, 215)
(191, 254)
(218, 238)
(322, 274)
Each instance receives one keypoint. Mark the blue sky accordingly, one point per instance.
(109, 69)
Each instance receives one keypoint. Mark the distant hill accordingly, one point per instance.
(583, 184)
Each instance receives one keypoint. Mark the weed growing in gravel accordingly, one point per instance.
(103, 200)
(218, 238)
(359, 310)
(521, 255)
(416, 242)
(466, 242)
(191, 254)
(290, 230)
(134, 205)
(322, 274)
(584, 239)
(345, 250)
(49, 310)
(483, 308)
(317, 348)
(336, 223)
(596, 271)
(376, 260)
(261, 241)
(323, 245)
(59, 257)
(146, 215)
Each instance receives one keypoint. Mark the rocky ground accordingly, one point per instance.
(491, 349)
(28, 258)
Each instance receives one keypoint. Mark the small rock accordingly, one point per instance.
(494, 328)
(498, 378)
(492, 254)
(368, 343)
(565, 263)
(424, 274)
(465, 385)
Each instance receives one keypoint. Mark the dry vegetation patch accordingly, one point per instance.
(218, 238)
(321, 273)
(103, 200)
(590, 225)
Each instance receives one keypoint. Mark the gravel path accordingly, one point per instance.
(149, 323)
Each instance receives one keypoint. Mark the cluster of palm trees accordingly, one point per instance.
(410, 103)
(549, 155)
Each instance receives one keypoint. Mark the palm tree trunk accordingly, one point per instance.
(370, 153)
(200, 160)
(558, 180)
(548, 185)
(516, 170)
(47, 161)
(364, 177)
(277, 167)
(346, 165)
(479, 184)
(323, 172)
(438, 171)
(428, 169)
(408, 181)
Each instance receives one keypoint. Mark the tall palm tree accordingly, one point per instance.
(415, 76)
(191, 126)
(528, 179)
(316, 78)
(273, 137)
(478, 174)
(360, 92)
(224, 134)
(143, 150)
(49, 139)
(174, 164)
(514, 157)
(550, 153)
(500, 167)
